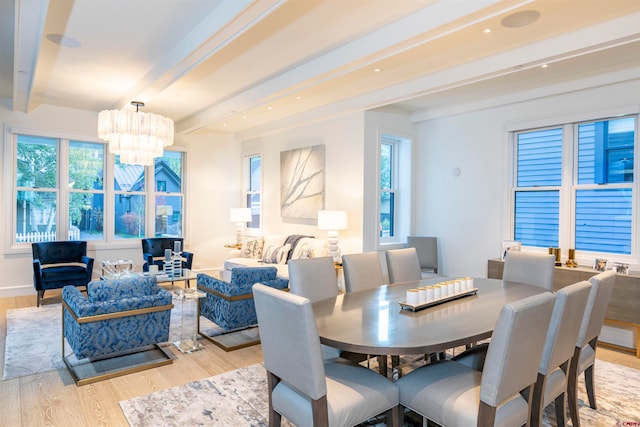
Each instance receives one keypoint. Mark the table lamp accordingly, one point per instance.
(333, 221)
(240, 216)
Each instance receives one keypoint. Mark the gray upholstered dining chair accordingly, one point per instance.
(452, 394)
(315, 279)
(531, 268)
(362, 271)
(303, 387)
(585, 350)
(403, 265)
(551, 385)
(427, 249)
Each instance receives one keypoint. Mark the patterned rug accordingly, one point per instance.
(239, 398)
(33, 338)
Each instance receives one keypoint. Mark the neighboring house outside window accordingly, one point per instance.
(574, 187)
(253, 185)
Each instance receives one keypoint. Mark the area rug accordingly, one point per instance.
(239, 398)
(33, 338)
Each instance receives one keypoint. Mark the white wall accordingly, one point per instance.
(343, 139)
(466, 212)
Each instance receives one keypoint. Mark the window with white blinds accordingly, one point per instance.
(574, 186)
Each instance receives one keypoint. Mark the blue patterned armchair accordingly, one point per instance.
(230, 304)
(117, 317)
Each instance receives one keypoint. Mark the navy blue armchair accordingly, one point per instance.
(58, 264)
(153, 252)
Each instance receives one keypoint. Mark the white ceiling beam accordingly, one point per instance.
(223, 25)
(344, 59)
(30, 17)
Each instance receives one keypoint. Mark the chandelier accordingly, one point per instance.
(136, 137)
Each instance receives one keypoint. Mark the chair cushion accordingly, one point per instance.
(449, 393)
(60, 275)
(136, 285)
(353, 394)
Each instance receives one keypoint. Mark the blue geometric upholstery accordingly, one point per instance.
(58, 264)
(128, 331)
(230, 304)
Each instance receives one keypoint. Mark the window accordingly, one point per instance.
(86, 190)
(169, 197)
(36, 189)
(387, 188)
(394, 177)
(574, 186)
(252, 194)
(60, 193)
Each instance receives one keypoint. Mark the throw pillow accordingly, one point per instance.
(252, 247)
(302, 251)
(276, 254)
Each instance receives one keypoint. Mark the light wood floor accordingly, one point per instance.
(51, 398)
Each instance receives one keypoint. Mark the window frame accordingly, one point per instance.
(62, 202)
(401, 175)
(248, 192)
(569, 185)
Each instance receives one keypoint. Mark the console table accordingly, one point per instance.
(623, 305)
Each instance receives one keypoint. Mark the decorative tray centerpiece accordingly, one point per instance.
(429, 296)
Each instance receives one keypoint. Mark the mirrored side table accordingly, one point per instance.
(188, 298)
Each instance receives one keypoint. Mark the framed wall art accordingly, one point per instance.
(302, 182)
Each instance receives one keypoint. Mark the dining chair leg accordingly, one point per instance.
(275, 419)
(588, 382)
(537, 401)
(561, 410)
(382, 365)
(395, 416)
(572, 388)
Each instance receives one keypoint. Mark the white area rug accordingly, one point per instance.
(239, 398)
(34, 337)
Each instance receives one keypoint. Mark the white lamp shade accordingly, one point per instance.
(240, 215)
(332, 220)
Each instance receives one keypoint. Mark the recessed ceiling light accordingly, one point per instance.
(544, 65)
(244, 117)
(224, 125)
(520, 19)
(269, 108)
(62, 40)
(486, 30)
(377, 70)
(298, 98)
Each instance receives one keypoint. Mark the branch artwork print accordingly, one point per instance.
(302, 182)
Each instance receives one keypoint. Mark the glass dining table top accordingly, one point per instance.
(373, 321)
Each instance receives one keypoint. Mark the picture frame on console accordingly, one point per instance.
(600, 264)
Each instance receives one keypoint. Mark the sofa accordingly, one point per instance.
(274, 251)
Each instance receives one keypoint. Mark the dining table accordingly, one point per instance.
(376, 322)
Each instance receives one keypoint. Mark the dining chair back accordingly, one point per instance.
(551, 384)
(403, 265)
(530, 268)
(585, 350)
(315, 279)
(302, 386)
(427, 249)
(362, 271)
(452, 394)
